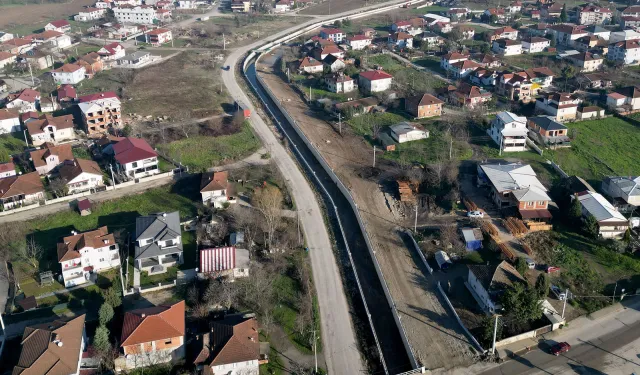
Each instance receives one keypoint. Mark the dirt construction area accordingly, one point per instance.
(433, 333)
(39, 14)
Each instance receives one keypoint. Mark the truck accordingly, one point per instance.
(443, 260)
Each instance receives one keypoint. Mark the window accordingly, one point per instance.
(167, 341)
(169, 243)
(134, 164)
(541, 203)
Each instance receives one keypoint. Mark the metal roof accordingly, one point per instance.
(600, 208)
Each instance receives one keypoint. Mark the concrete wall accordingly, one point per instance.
(469, 335)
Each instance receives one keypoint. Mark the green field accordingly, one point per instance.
(200, 153)
(600, 148)
(526, 61)
(406, 77)
(10, 144)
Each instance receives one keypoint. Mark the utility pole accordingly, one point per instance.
(298, 217)
(564, 305)
(315, 351)
(33, 82)
(613, 300)
(495, 333)
(374, 156)
(340, 122)
(224, 43)
(113, 180)
(310, 93)
(415, 223)
(24, 132)
(500, 135)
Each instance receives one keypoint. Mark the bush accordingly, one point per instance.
(105, 314)
(101, 339)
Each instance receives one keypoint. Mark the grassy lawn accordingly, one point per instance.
(428, 150)
(386, 62)
(597, 144)
(81, 153)
(429, 9)
(363, 124)
(526, 61)
(200, 152)
(164, 278)
(405, 76)
(275, 365)
(189, 250)
(430, 62)
(10, 144)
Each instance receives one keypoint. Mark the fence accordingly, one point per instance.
(531, 144)
(523, 336)
(464, 328)
(159, 287)
(424, 260)
(558, 169)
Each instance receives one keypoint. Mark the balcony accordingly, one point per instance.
(72, 267)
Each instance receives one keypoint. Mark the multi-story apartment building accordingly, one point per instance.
(82, 254)
(594, 15)
(560, 106)
(625, 52)
(142, 14)
(509, 132)
(507, 47)
(586, 61)
(100, 112)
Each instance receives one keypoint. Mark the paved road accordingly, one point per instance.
(338, 337)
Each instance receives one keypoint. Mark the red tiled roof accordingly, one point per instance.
(60, 23)
(70, 246)
(158, 31)
(26, 95)
(68, 68)
(6, 114)
(62, 151)
(358, 37)
(309, 61)
(331, 31)
(60, 122)
(66, 91)
(373, 75)
(24, 184)
(153, 323)
(6, 167)
(132, 149)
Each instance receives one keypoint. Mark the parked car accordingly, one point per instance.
(475, 214)
(560, 294)
(559, 348)
(552, 269)
(530, 263)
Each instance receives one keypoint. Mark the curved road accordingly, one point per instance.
(338, 336)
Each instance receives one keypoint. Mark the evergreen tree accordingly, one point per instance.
(105, 314)
(563, 13)
(101, 339)
(575, 211)
(542, 285)
(591, 227)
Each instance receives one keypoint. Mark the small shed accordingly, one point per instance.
(388, 144)
(472, 238)
(84, 206)
(243, 109)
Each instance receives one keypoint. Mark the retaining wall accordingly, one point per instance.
(473, 339)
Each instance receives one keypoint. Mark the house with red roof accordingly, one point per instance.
(135, 158)
(231, 345)
(334, 34)
(62, 26)
(9, 121)
(17, 45)
(310, 65)
(66, 93)
(50, 129)
(359, 42)
(24, 101)
(112, 52)
(21, 190)
(158, 37)
(69, 73)
(321, 52)
(400, 39)
(6, 58)
(7, 169)
(152, 335)
(216, 189)
(375, 81)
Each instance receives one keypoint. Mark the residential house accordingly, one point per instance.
(81, 175)
(400, 40)
(562, 106)
(586, 61)
(451, 58)
(21, 190)
(589, 42)
(50, 129)
(624, 35)
(48, 158)
(231, 345)
(535, 14)
(499, 13)
(466, 95)
(628, 97)
(487, 60)
(548, 132)
(7, 169)
(624, 192)
(136, 59)
(484, 77)
(61, 26)
(465, 32)
(535, 44)
(159, 37)
(36, 58)
(9, 121)
(625, 52)
(514, 7)
(633, 10)
(333, 64)
(458, 14)
(282, 6)
(69, 73)
(216, 189)
(507, 47)
(590, 112)
(112, 52)
(228, 261)
(187, 4)
(320, 52)
(598, 80)
(594, 15)
(135, 158)
(516, 185)
(241, 6)
(359, 42)
(141, 14)
(84, 254)
(90, 14)
(551, 10)
(17, 46)
(48, 104)
(66, 93)
(506, 32)
(5, 37)
(442, 27)
(629, 22)
(24, 101)
(310, 65)
(537, 29)
(152, 335)
(509, 132)
(413, 27)
(92, 63)
(52, 347)
(611, 222)
(6, 58)
(52, 39)
(100, 112)
(407, 132)
(567, 34)
(158, 241)
(432, 19)
(359, 106)
(598, 31)
(432, 39)
(487, 283)
(369, 32)
(463, 69)
(340, 83)
(375, 81)
(336, 35)
(423, 106)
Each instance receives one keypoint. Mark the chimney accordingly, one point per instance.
(73, 232)
(143, 315)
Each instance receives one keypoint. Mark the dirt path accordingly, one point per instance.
(436, 339)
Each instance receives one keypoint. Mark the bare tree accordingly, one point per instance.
(185, 123)
(268, 200)
(58, 186)
(12, 240)
(246, 220)
(32, 252)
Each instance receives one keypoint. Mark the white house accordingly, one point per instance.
(561, 106)
(507, 47)
(9, 121)
(407, 132)
(48, 158)
(143, 14)
(24, 101)
(282, 6)
(623, 190)
(50, 129)
(21, 190)
(83, 254)
(135, 158)
(375, 81)
(413, 27)
(187, 4)
(451, 58)
(81, 175)
(611, 223)
(334, 34)
(463, 69)
(6, 58)
(625, 52)
(90, 14)
(215, 189)
(5, 37)
(401, 40)
(340, 83)
(594, 15)
(69, 73)
(358, 42)
(310, 65)
(624, 35)
(535, 44)
(62, 26)
(488, 282)
(509, 132)
(111, 52)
